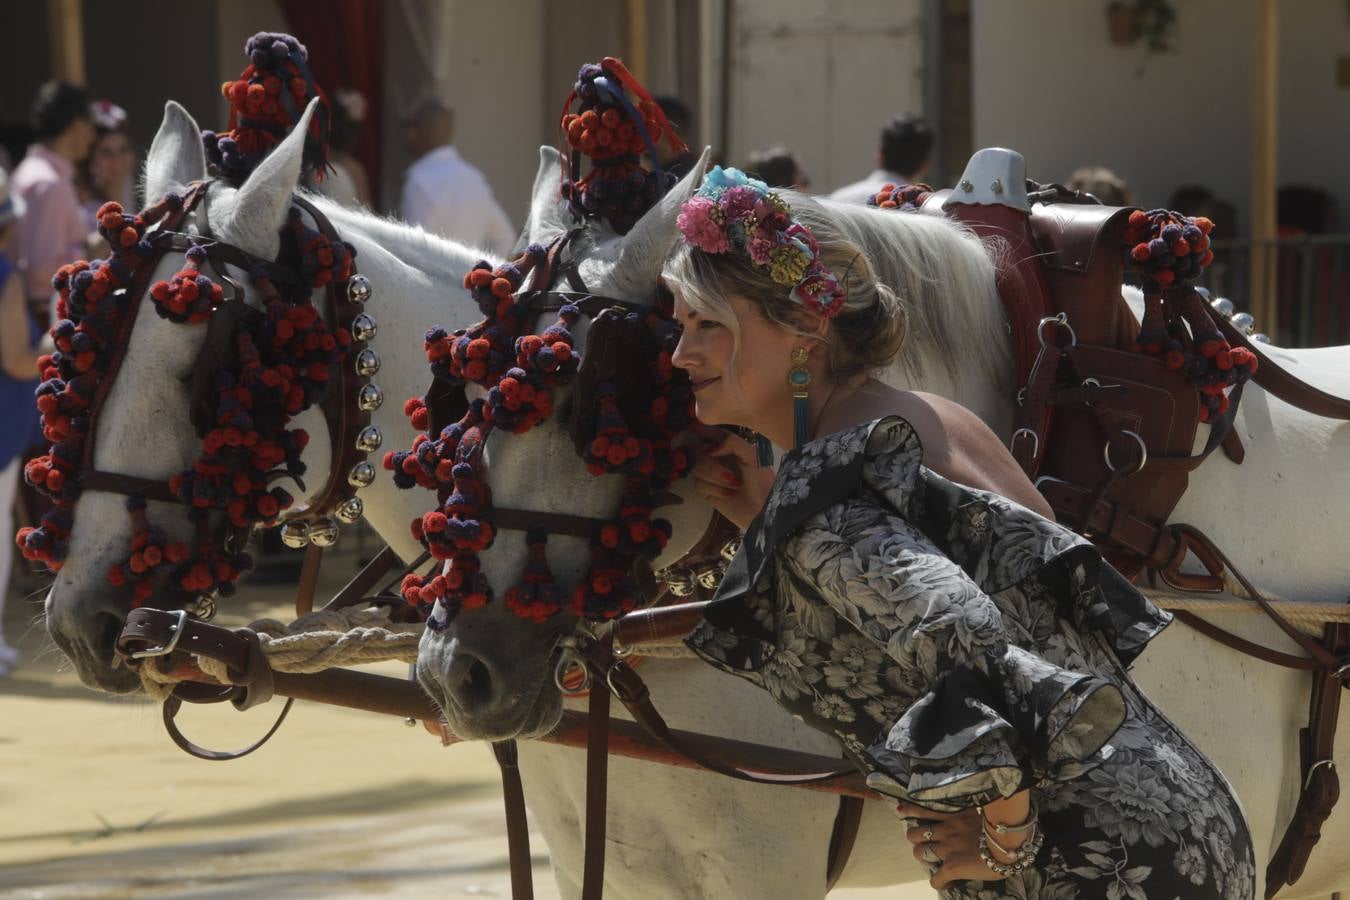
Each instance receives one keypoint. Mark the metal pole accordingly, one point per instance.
(934, 86)
(1265, 103)
(65, 26)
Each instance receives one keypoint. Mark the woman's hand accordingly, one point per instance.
(728, 476)
(953, 838)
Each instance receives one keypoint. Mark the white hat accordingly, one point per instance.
(11, 207)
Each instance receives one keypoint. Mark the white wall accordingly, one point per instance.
(1048, 84)
(821, 79)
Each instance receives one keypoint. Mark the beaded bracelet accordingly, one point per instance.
(1023, 857)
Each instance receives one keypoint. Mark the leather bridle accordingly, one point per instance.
(347, 401)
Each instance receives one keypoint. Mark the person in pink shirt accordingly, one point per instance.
(53, 231)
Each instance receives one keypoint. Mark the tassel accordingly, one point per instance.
(799, 379)
(801, 420)
(763, 451)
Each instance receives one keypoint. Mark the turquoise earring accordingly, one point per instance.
(799, 379)
(763, 451)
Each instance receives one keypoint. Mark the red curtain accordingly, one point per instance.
(345, 39)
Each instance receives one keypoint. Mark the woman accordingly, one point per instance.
(108, 173)
(901, 587)
(18, 381)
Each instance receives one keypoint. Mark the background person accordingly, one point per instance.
(109, 171)
(441, 191)
(19, 425)
(53, 230)
(778, 167)
(903, 154)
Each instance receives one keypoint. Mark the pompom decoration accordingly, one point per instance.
(284, 355)
(1170, 251)
(904, 197)
(518, 372)
(613, 131)
(266, 101)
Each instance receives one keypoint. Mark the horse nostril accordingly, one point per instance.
(105, 637)
(469, 683)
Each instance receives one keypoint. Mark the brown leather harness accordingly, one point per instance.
(1107, 436)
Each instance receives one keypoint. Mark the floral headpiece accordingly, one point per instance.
(734, 213)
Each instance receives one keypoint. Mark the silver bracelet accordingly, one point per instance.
(1033, 816)
(1023, 857)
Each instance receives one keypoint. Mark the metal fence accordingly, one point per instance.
(1312, 294)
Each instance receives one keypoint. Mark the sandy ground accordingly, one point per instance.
(95, 802)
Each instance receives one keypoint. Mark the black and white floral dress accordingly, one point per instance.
(963, 648)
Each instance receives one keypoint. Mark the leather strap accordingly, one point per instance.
(1321, 784)
(842, 837)
(1282, 384)
(517, 826)
(597, 787)
(169, 714)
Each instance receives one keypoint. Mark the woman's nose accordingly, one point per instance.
(684, 354)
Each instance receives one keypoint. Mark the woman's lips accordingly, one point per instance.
(700, 385)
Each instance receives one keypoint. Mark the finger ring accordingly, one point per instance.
(928, 835)
(930, 855)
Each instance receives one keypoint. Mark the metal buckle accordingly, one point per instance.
(1312, 770)
(165, 649)
(1143, 452)
(1062, 320)
(1035, 441)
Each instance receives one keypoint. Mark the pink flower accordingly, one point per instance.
(739, 202)
(699, 226)
(819, 291)
(759, 249)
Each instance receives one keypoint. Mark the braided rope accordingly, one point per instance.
(1306, 615)
(324, 639)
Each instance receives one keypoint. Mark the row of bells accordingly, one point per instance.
(1242, 321)
(685, 581)
(323, 531)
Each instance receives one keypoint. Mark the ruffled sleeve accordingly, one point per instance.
(988, 718)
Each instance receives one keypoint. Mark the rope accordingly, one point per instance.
(1308, 616)
(320, 640)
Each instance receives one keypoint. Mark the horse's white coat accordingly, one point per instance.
(674, 833)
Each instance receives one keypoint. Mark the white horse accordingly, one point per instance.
(676, 833)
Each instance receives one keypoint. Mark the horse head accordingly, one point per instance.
(144, 427)
(490, 669)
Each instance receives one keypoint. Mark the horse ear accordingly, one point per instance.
(548, 211)
(264, 199)
(646, 246)
(176, 158)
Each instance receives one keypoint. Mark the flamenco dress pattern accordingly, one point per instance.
(962, 648)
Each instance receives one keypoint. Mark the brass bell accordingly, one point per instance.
(680, 582)
(709, 577)
(369, 398)
(324, 532)
(350, 510)
(1223, 306)
(730, 549)
(358, 289)
(370, 439)
(361, 475)
(367, 363)
(295, 534)
(363, 327)
(1243, 322)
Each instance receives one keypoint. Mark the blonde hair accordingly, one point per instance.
(866, 335)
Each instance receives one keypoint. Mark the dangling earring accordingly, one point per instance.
(799, 379)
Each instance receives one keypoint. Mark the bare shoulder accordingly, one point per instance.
(959, 446)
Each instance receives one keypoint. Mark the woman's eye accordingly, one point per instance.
(708, 324)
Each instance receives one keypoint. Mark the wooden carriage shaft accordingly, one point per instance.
(394, 696)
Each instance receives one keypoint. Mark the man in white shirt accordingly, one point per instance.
(442, 192)
(906, 144)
